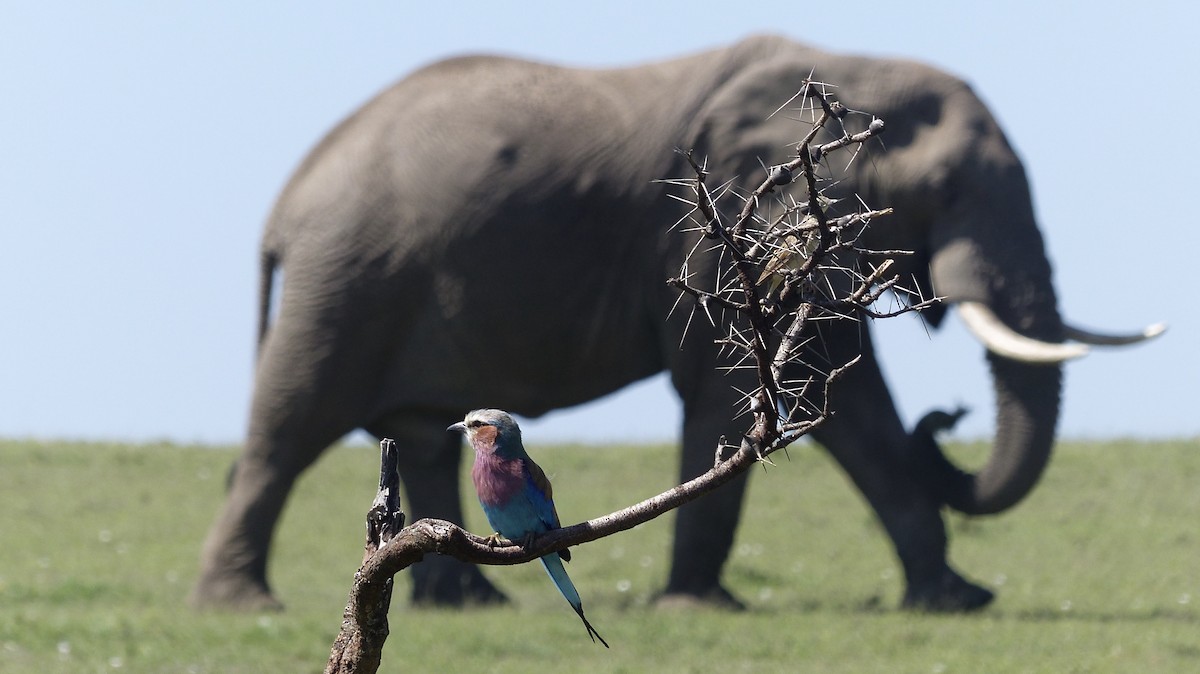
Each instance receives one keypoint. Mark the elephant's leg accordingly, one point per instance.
(301, 405)
(430, 460)
(233, 567)
(867, 438)
(705, 528)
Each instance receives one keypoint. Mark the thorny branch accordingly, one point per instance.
(783, 272)
(775, 284)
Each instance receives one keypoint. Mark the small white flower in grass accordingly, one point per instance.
(105, 536)
(646, 561)
(765, 594)
(1185, 598)
(750, 550)
(64, 649)
(116, 662)
(938, 668)
(624, 585)
(999, 580)
(264, 621)
(617, 552)
(1065, 605)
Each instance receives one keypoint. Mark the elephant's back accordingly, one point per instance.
(452, 139)
(500, 124)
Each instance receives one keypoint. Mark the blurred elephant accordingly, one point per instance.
(488, 233)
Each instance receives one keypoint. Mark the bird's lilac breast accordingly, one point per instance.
(497, 480)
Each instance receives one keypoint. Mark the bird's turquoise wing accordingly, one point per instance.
(542, 497)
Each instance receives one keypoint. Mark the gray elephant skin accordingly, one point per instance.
(488, 233)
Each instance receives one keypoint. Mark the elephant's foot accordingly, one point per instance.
(234, 593)
(949, 593)
(444, 581)
(714, 597)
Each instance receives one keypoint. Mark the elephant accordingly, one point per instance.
(493, 232)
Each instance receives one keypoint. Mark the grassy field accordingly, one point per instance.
(1099, 571)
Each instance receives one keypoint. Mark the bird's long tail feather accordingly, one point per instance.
(558, 574)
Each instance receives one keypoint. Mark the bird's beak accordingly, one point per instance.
(460, 427)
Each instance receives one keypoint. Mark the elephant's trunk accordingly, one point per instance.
(1027, 399)
(1026, 391)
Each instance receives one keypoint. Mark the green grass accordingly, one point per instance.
(1099, 571)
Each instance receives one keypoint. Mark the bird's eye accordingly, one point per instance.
(474, 423)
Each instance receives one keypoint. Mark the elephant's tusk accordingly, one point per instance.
(1097, 339)
(1003, 341)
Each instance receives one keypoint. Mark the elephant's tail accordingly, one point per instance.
(268, 262)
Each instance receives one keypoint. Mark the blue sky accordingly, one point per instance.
(142, 144)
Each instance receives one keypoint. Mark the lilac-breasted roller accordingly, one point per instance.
(515, 494)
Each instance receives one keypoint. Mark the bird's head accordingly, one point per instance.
(490, 428)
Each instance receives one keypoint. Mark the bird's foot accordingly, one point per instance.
(494, 540)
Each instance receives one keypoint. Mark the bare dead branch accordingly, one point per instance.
(359, 644)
